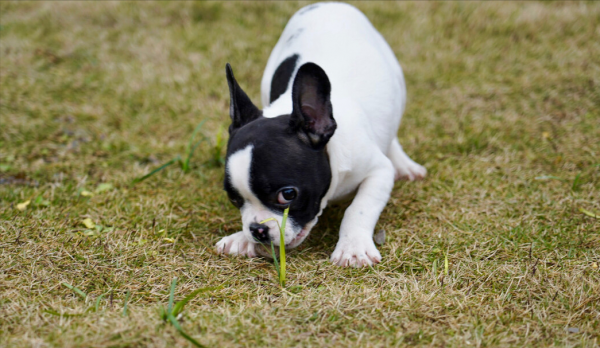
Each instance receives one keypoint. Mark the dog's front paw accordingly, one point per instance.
(236, 244)
(355, 253)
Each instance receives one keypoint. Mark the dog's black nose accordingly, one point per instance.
(260, 232)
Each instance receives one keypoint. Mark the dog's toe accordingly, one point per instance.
(348, 254)
(411, 172)
(236, 244)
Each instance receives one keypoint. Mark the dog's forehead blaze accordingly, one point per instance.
(238, 172)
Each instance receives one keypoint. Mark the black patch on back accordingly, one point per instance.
(282, 76)
(308, 8)
(280, 159)
(294, 36)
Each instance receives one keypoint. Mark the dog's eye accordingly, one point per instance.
(286, 195)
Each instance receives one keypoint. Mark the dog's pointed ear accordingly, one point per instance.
(241, 108)
(312, 115)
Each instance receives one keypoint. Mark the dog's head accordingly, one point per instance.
(273, 163)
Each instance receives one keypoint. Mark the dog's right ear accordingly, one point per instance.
(312, 114)
(241, 108)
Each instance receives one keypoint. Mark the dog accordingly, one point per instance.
(333, 95)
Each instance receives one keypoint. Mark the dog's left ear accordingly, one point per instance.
(312, 115)
(241, 108)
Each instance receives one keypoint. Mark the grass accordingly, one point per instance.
(185, 165)
(93, 95)
(280, 266)
(174, 311)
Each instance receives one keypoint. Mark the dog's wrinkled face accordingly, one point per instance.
(273, 163)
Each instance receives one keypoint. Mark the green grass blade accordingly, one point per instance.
(172, 295)
(97, 306)
(446, 263)
(173, 321)
(77, 291)
(125, 304)
(281, 266)
(548, 177)
(277, 268)
(217, 159)
(173, 311)
(67, 315)
(576, 182)
(589, 213)
(140, 179)
(53, 312)
(194, 134)
(282, 247)
(186, 164)
(178, 308)
(275, 260)
(163, 313)
(192, 148)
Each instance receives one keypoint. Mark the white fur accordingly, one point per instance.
(368, 95)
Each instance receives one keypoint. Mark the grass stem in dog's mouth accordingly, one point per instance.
(280, 266)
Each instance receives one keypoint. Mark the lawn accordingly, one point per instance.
(498, 246)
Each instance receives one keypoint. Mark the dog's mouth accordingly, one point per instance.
(298, 239)
(294, 242)
(265, 251)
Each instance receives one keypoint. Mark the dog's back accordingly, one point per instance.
(364, 73)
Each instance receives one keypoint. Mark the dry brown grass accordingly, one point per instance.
(499, 94)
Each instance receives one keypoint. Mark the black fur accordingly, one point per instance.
(282, 76)
(288, 150)
(241, 108)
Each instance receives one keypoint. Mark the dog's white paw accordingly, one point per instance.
(410, 171)
(236, 244)
(355, 253)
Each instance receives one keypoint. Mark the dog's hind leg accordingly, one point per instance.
(406, 168)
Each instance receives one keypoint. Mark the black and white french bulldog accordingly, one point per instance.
(333, 95)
